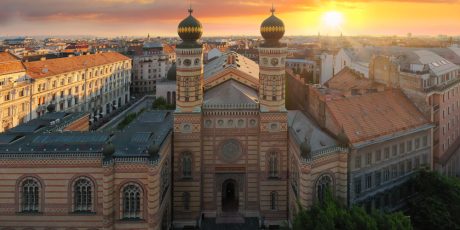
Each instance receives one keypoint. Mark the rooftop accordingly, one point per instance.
(305, 128)
(231, 60)
(347, 80)
(43, 136)
(10, 64)
(46, 68)
(374, 115)
(231, 95)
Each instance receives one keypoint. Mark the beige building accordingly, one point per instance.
(97, 84)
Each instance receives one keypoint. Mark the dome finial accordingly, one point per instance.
(273, 9)
(190, 9)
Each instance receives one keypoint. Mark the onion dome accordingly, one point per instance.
(305, 149)
(172, 73)
(51, 108)
(153, 151)
(272, 29)
(108, 150)
(190, 29)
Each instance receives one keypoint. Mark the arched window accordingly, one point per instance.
(83, 195)
(30, 195)
(294, 177)
(323, 184)
(273, 165)
(132, 202)
(187, 165)
(273, 200)
(186, 200)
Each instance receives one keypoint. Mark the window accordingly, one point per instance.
(378, 178)
(273, 200)
(83, 195)
(394, 150)
(357, 185)
(369, 158)
(386, 174)
(187, 165)
(357, 162)
(402, 148)
(273, 165)
(409, 165)
(425, 141)
(186, 200)
(402, 169)
(409, 146)
(323, 184)
(368, 181)
(30, 195)
(394, 171)
(164, 180)
(387, 153)
(417, 143)
(378, 155)
(132, 202)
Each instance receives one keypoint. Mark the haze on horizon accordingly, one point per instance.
(225, 17)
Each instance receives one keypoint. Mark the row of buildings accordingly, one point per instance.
(233, 151)
(97, 83)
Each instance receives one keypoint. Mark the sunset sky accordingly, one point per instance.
(227, 17)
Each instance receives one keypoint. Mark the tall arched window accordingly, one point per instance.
(83, 195)
(323, 184)
(187, 165)
(273, 200)
(186, 200)
(30, 197)
(132, 202)
(273, 165)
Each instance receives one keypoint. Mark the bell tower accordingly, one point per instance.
(272, 58)
(189, 62)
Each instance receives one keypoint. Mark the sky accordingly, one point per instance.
(227, 17)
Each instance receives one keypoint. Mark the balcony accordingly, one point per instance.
(443, 86)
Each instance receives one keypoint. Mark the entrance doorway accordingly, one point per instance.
(230, 196)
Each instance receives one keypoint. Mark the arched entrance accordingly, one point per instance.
(230, 196)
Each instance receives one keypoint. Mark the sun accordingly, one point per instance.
(333, 18)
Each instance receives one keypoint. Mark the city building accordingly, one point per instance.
(432, 83)
(150, 66)
(60, 176)
(97, 84)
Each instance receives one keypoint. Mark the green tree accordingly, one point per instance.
(437, 203)
(331, 214)
(161, 104)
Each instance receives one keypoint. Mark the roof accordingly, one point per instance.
(304, 127)
(231, 60)
(230, 95)
(443, 57)
(373, 115)
(41, 136)
(10, 64)
(347, 79)
(149, 128)
(46, 68)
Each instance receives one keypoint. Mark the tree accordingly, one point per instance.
(437, 203)
(331, 214)
(161, 104)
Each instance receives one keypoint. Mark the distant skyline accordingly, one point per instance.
(237, 17)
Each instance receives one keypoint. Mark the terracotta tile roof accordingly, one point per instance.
(46, 68)
(373, 115)
(9, 64)
(347, 79)
(169, 48)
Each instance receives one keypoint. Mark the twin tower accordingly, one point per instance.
(272, 57)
